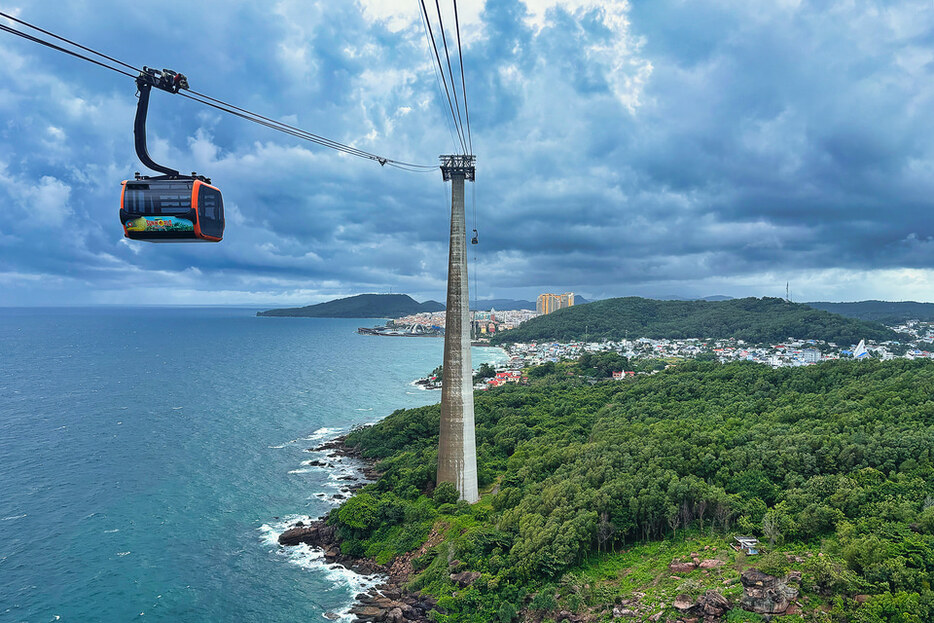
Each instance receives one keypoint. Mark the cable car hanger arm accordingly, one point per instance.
(165, 80)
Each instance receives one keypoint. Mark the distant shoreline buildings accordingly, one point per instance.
(548, 303)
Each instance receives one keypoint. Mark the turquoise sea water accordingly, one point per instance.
(149, 458)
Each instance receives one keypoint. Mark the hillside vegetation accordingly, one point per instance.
(360, 306)
(591, 490)
(765, 320)
(880, 311)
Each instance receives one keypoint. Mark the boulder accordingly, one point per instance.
(682, 567)
(465, 578)
(710, 563)
(367, 613)
(713, 604)
(764, 593)
(623, 611)
(316, 534)
(683, 602)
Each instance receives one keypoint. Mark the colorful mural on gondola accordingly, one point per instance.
(159, 223)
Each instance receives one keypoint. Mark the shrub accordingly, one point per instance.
(773, 563)
(445, 493)
(544, 600)
(507, 612)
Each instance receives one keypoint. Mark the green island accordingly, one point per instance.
(621, 499)
(359, 306)
(754, 320)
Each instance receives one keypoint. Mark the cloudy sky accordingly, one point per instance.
(649, 148)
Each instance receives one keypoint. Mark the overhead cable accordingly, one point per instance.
(460, 55)
(447, 56)
(434, 47)
(449, 123)
(208, 100)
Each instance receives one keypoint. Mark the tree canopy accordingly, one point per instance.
(843, 451)
(765, 320)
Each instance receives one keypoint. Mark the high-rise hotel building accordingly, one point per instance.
(548, 303)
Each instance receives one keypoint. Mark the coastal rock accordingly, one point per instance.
(316, 534)
(465, 578)
(367, 613)
(682, 567)
(764, 593)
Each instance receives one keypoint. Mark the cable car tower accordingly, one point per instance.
(457, 444)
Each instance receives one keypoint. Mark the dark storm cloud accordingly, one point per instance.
(621, 149)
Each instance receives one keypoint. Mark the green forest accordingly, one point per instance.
(888, 312)
(757, 321)
(590, 489)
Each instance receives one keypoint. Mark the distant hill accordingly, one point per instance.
(750, 319)
(887, 312)
(501, 304)
(360, 306)
(678, 297)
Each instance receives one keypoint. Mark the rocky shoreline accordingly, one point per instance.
(387, 602)
(390, 602)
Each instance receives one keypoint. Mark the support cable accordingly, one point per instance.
(460, 55)
(208, 100)
(434, 68)
(434, 46)
(48, 44)
(447, 56)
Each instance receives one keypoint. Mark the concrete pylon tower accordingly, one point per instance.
(457, 445)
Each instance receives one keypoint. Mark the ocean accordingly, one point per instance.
(149, 458)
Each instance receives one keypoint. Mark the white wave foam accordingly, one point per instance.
(301, 471)
(12, 517)
(370, 409)
(123, 553)
(111, 531)
(310, 559)
(321, 433)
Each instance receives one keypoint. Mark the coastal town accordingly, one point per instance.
(655, 354)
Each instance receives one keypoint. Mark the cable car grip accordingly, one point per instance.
(165, 80)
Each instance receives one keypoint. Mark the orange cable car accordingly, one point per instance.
(170, 207)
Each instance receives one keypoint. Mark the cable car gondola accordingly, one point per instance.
(170, 207)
